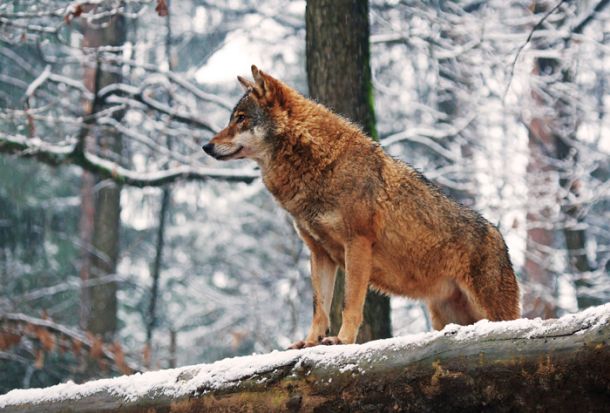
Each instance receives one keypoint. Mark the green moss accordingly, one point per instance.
(369, 93)
(370, 96)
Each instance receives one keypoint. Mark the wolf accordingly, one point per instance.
(359, 209)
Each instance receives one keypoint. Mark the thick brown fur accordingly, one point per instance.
(359, 209)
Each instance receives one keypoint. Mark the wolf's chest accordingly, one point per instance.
(328, 230)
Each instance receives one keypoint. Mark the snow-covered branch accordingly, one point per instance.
(67, 154)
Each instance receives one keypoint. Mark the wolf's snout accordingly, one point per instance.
(208, 148)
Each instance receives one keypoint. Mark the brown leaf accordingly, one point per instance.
(161, 8)
(46, 339)
(30, 328)
(146, 355)
(77, 346)
(237, 337)
(102, 364)
(62, 346)
(119, 357)
(74, 11)
(8, 340)
(39, 359)
(96, 346)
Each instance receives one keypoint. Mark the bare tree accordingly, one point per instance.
(101, 316)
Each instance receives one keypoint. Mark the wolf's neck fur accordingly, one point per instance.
(310, 141)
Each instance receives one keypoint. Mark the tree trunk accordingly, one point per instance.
(551, 135)
(521, 365)
(156, 268)
(339, 76)
(163, 214)
(574, 231)
(100, 300)
(540, 299)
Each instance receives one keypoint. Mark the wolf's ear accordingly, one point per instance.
(257, 74)
(246, 84)
(261, 84)
(266, 88)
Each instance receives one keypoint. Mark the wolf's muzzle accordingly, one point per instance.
(208, 148)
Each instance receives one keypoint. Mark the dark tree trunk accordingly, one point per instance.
(87, 214)
(163, 213)
(100, 298)
(156, 268)
(339, 76)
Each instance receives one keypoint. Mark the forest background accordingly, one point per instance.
(123, 247)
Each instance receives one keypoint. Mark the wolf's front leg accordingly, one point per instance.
(358, 267)
(323, 271)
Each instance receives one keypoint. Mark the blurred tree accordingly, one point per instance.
(164, 211)
(554, 174)
(101, 199)
(568, 153)
(540, 299)
(339, 76)
(454, 83)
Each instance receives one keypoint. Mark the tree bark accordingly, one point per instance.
(522, 365)
(552, 133)
(339, 76)
(101, 314)
(163, 212)
(540, 300)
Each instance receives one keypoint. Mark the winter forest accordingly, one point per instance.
(125, 248)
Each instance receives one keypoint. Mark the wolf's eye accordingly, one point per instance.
(240, 118)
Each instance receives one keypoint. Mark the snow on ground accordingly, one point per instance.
(182, 381)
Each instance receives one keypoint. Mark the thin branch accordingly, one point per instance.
(527, 40)
(29, 27)
(71, 284)
(139, 95)
(428, 137)
(589, 17)
(38, 82)
(173, 77)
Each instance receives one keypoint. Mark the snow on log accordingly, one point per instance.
(547, 365)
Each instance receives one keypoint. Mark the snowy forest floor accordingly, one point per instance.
(560, 364)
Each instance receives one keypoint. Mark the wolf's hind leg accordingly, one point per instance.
(454, 307)
(491, 282)
(496, 293)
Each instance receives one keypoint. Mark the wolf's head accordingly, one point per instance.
(251, 125)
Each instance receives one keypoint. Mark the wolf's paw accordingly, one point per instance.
(330, 341)
(302, 344)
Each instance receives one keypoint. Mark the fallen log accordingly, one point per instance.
(522, 365)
